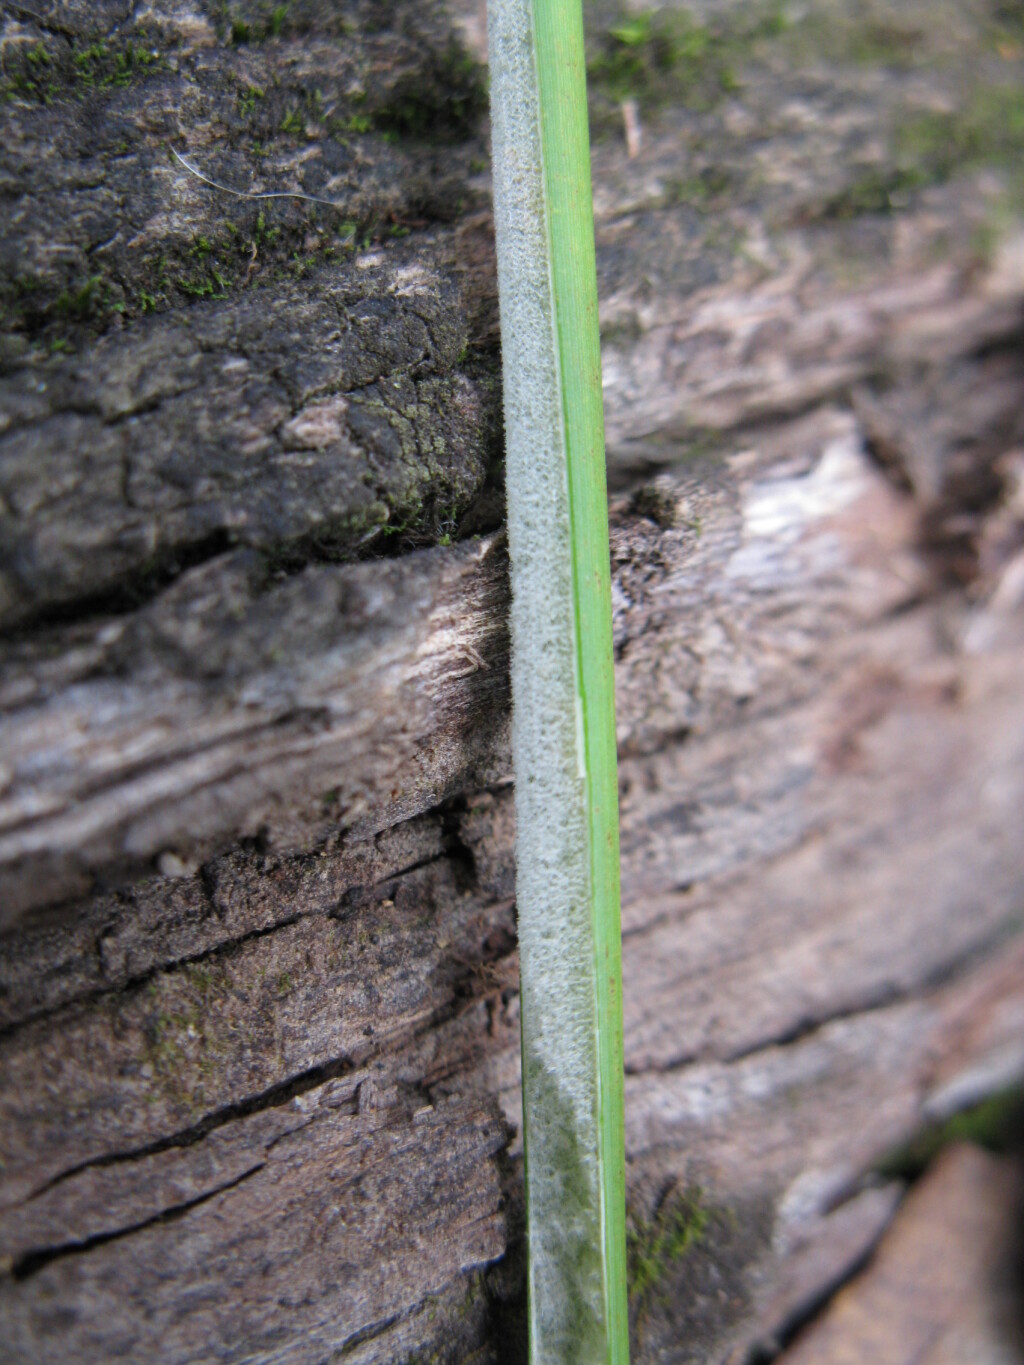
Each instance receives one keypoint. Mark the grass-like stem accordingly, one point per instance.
(563, 692)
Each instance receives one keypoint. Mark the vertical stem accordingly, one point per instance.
(563, 719)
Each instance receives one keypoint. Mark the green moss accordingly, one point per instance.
(81, 302)
(264, 233)
(446, 525)
(878, 189)
(663, 57)
(444, 102)
(997, 1123)
(101, 64)
(989, 130)
(880, 36)
(270, 23)
(248, 99)
(659, 56)
(929, 148)
(166, 1054)
(703, 190)
(885, 44)
(851, 38)
(353, 123)
(1006, 30)
(191, 1034)
(655, 1247)
(39, 74)
(201, 978)
(656, 503)
(32, 80)
(208, 268)
(29, 305)
(301, 265)
(303, 118)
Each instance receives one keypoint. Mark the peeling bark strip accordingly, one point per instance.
(258, 981)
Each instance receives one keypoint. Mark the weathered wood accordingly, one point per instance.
(232, 706)
(322, 1186)
(940, 1288)
(258, 1006)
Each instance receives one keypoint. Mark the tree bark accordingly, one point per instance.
(258, 985)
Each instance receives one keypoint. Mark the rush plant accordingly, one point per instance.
(563, 695)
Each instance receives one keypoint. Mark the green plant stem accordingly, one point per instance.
(563, 692)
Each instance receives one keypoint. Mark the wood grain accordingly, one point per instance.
(259, 1034)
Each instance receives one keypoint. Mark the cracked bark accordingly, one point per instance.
(258, 994)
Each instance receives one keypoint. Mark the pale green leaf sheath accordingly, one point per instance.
(563, 713)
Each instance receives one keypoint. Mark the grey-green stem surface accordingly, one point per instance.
(572, 1170)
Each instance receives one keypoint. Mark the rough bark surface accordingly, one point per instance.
(258, 985)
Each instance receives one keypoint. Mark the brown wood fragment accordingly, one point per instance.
(940, 1289)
